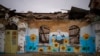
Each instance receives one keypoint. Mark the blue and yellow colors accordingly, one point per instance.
(60, 42)
(32, 41)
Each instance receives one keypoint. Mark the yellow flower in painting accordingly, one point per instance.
(49, 48)
(65, 41)
(40, 50)
(76, 49)
(62, 48)
(56, 45)
(33, 37)
(86, 36)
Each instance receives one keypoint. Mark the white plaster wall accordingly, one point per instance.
(21, 36)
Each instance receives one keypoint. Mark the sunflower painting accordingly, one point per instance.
(33, 37)
(86, 36)
(40, 49)
(77, 49)
(65, 41)
(63, 48)
(56, 45)
(49, 49)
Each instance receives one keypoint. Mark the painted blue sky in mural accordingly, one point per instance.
(44, 5)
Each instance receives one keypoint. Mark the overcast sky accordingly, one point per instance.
(44, 5)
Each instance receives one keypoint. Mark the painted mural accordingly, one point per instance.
(32, 40)
(60, 36)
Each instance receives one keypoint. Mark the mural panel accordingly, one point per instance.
(32, 40)
(62, 36)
